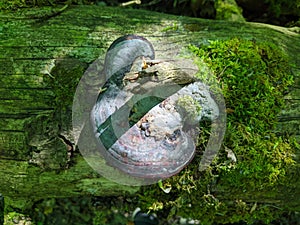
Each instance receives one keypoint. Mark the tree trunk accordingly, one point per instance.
(44, 53)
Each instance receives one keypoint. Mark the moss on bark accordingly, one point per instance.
(43, 59)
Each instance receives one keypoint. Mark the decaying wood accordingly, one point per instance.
(38, 156)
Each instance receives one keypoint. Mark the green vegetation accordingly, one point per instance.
(284, 12)
(188, 107)
(279, 7)
(64, 79)
(228, 10)
(15, 4)
(254, 78)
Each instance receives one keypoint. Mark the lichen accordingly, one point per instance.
(189, 108)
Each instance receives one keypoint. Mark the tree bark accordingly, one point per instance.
(44, 53)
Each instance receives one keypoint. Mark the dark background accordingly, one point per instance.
(277, 12)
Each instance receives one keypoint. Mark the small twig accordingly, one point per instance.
(154, 2)
(138, 2)
(51, 14)
(40, 16)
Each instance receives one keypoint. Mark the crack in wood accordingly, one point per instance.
(70, 148)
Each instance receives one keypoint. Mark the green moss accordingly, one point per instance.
(189, 108)
(15, 4)
(173, 27)
(16, 218)
(254, 78)
(64, 78)
(228, 10)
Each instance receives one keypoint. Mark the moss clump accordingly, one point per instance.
(189, 108)
(254, 78)
(228, 10)
(16, 218)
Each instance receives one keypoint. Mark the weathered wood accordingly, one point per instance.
(42, 60)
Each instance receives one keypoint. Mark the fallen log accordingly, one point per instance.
(43, 55)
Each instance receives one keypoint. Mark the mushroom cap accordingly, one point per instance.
(138, 133)
(122, 53)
